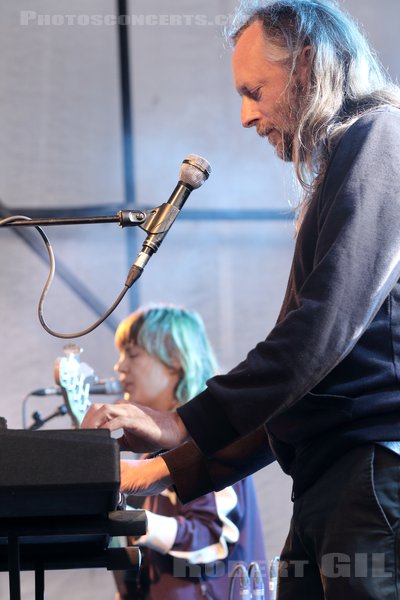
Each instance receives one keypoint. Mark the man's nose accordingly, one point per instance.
(249, 113)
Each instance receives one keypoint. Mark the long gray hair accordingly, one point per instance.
(346, 78)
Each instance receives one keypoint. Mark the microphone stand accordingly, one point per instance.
(124, 218)
(39, 421)
(154, 221)
(194, 171)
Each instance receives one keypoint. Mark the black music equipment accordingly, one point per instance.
(60, 504)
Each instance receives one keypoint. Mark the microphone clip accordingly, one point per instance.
(155, 220)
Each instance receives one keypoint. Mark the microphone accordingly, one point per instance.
(104, 387)
(194, 171)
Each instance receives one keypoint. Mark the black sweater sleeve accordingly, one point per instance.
(195, 475)
(346, 261)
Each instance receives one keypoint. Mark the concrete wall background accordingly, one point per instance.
(60, 146)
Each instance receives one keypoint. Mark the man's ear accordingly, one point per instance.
(304, 64)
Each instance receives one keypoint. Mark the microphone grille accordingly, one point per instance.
(194, 170)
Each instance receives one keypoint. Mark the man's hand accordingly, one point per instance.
(144, 477)
(145, 429)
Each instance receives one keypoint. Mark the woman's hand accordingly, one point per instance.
(145, 429)
(144, 477)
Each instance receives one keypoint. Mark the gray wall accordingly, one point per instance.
(60, 146)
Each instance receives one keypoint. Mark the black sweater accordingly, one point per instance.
(327, 376)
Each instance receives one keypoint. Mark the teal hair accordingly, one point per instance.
(176, 336)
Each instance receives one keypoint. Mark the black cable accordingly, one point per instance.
(24, 411)
(78, 333)
(133, 275)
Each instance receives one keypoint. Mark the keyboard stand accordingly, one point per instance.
(39, 544)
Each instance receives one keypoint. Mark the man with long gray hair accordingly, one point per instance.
(321, 393)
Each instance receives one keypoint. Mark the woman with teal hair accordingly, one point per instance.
(174, 336)
(165, 358)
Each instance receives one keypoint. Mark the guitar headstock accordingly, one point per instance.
(74, 378)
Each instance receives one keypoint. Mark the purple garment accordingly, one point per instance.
(200, 530)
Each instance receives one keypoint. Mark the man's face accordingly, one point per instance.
(271, 97)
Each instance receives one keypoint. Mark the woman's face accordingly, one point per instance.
(146, 380)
